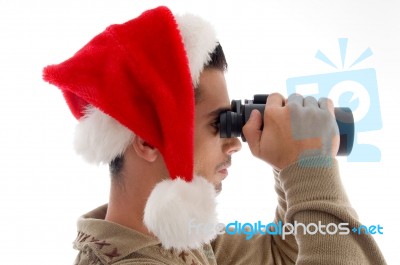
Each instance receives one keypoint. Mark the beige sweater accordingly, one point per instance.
(308, 192)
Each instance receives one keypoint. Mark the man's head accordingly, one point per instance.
(212, 154)
(147, 94)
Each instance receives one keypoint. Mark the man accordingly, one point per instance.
(131, 87)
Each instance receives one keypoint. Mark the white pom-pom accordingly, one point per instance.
(175, 210)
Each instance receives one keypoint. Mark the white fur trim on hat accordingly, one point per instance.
(99, 138)
(177, 212)
(199, 39)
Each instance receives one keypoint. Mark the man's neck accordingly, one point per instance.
(127, 209)
(129, 191)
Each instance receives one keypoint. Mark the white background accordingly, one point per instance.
(44, 186)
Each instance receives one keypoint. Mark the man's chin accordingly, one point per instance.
(218, 188)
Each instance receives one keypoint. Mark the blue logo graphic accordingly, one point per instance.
(355, 89)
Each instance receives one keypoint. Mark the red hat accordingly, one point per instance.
(139, 78)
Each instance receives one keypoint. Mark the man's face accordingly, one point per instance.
(212, 154)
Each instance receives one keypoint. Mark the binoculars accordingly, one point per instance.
(231, 122)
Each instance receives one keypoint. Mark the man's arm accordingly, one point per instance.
(304, 197)
(316, 198)
(308, 187)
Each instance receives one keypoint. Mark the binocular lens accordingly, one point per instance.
(230, 124)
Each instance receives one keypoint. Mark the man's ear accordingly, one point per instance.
(144, 150)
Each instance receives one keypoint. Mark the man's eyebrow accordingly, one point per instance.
(218, 111)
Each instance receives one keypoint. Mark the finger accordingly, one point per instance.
(252, 131)
(326, 104)
(296, 99)
(275, 100)
(310, 102)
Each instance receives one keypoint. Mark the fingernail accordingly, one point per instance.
(253, 114)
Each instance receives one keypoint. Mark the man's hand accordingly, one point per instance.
(293, 128)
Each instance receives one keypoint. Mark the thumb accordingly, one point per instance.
(252, 131)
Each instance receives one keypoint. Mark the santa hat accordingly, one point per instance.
(139, 78)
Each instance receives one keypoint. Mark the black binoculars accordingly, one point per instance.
(231, 122)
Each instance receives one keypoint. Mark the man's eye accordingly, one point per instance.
(215, 124)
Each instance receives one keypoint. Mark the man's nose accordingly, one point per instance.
(232, 145)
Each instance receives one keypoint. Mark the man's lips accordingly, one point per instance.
(223, 172)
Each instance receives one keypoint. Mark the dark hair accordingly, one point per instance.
(218, 61)
(116, 165)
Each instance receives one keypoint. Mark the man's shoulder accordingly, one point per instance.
(101, 240)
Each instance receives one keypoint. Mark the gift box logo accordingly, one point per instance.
(356, 89)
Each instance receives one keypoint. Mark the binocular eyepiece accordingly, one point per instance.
(232, 122)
